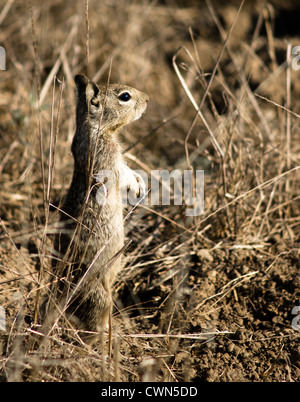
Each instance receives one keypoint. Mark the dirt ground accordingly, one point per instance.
(208, 298)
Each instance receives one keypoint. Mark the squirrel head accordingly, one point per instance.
(100, 111)
(108, 107)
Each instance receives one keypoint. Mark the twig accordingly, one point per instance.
(288, 115)
(239, 71)
(276, 104)
(87, 38)
(12, 147)
(232, 285)
(196, 336)
(5, 10)
(57, 65)
(194, 103)
(151, 132)
(38, 94)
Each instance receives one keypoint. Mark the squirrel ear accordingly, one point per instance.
(81, 82)
(86, 87)
(92, 90)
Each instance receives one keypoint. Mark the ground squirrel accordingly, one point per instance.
(91, 232)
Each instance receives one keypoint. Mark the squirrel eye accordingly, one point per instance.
(125, 97)
(95, 102)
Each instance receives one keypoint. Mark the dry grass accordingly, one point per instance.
(223, 98)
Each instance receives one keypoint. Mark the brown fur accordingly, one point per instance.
(91, 236)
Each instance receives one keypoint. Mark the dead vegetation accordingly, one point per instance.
(205, 298)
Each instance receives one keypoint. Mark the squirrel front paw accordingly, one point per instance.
(136, 188)
(132, 185)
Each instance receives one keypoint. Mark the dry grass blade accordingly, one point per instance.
(247, 193)
(56, 67)
(191, 98)
(280, 106)
(5, 10)
(200, 336)
(240, 72)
